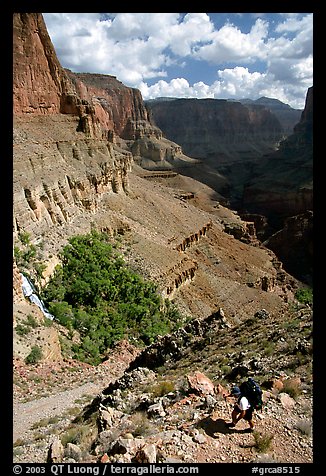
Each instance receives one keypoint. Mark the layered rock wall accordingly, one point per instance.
(62, 174)
(125, 120)
(119, 109)
(215, 127)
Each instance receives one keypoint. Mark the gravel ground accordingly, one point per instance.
(25, 415)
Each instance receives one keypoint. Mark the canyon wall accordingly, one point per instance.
(217, 129)
(75, 135)
(62, 164)
(125, 120)
(282, 191)
(283, 182)
(75, 169)
(287, 116)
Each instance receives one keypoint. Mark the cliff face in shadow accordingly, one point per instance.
(287, 116)
(220, 130)
(282, 191)
(282, 184)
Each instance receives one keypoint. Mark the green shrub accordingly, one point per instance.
(162, 388)
(304, 295)
(34, 356)
(94, 292)
(81, 435)
(24, 238)
(47, 322)
(31, 321)
(22, 330)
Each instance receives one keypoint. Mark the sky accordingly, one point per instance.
(198, 55)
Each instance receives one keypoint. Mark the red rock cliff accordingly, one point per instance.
(119, 108)
(40, 82)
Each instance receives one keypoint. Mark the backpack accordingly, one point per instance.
(252, 391)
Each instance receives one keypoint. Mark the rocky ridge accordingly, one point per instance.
(169, 407)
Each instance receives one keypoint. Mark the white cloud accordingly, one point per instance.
(178, 87)
(293, 23)
(229, 44)
(236, 83)
(139, 47)
(129, 45)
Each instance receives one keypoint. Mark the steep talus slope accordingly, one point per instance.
(168, 403)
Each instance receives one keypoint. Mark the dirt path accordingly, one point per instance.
(25, 415)
(57, 391)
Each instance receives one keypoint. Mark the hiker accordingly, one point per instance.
(241, 409)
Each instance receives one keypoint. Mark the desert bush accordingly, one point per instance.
(263, 441)
(292, 388)
(22, 330)
(45, 422)
(162, 388)
(304, 295)
(81, 435)
(34, 356)
(141, 426)
(31, 321)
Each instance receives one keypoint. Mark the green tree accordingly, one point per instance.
(94, 292)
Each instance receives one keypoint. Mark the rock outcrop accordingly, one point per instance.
(125, 120)
(40, 84)
(293, 244)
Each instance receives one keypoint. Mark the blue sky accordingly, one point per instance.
(203, 55)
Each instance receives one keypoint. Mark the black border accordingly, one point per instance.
(7, 215)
